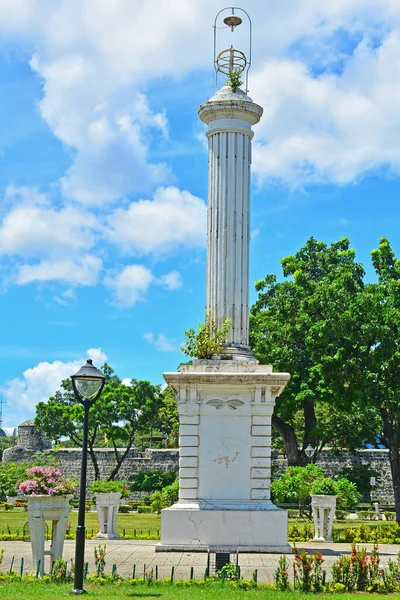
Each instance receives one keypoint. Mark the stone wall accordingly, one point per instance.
(151, 460)
(332, 465)
(31, 441)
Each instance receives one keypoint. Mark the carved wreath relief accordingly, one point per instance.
(233, 404)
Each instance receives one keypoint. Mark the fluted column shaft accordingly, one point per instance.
(229, 230)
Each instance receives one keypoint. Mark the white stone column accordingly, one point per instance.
(229, 116)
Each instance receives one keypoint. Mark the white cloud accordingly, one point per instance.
(98, 356)
(38, 383)
(173, 217)
(96, 58)
(172, 280)
(161, 342)
(129, 285)
(81, 271)
(329, 128)
(32, 227)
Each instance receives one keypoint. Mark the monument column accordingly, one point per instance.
(226, 404)
(229, 116)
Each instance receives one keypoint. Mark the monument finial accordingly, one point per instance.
(231, 61)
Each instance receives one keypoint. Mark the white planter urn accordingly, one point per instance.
(323, 509)
(47, 508)
(11, 499)
(107, 505)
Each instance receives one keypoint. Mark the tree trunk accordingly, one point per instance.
(119, 459)
(392, 440)
(310, 423)
(94, 461)
(295, 456)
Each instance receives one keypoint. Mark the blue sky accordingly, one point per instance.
(103, 168)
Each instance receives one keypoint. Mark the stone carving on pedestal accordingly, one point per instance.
(47, 508)
(107, 506)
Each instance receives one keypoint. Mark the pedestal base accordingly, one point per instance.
(107, 536)
(198, 529)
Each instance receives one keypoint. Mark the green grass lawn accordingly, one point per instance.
(164, 591)
(16, 518)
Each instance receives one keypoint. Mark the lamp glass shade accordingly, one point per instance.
(88, 381)
(88, 388)
(309, 451)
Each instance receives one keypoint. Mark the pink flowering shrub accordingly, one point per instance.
(47, 481)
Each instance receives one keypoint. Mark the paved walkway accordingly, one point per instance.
(127, 553)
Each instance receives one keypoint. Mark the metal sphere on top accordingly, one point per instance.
(231, 61)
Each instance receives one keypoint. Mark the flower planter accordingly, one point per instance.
(42, 508)
(11, 499)
(107, 505)
(323, 509)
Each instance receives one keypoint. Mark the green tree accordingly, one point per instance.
(168, 418)
(293, 325)
(121, 412)
(370, 364)
(11, 475)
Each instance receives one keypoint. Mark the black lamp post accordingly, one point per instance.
(88, 384)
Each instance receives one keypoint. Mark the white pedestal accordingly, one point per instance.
(107, 505)
(323, 509)
(225, 410)
(40, 510)
(186, 528)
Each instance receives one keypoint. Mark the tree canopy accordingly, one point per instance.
(339, 337)
(119, 415)
(292, 326)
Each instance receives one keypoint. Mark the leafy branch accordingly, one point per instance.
(234, 80)
(208, 340)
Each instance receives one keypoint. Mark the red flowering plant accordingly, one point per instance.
(48, 481)
(360, 571)
(281, 575)
(308, 574)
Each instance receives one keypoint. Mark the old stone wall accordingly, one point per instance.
(332, 465)
(151, 460)
(30, 441)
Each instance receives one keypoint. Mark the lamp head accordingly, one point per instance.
(232, 21)
(309, 451)
(88, 382)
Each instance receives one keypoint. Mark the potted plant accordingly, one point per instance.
(108, 496)
(323, 493)
(48, 494)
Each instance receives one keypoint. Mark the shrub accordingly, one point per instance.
(294, 484)
(390, 516)
(323, 485)
(281, 575)
(107, 487)
(124, 508)
(48, 481)
(347, 493)
(151, 481)
(144, 509)
(208, 340)
(11, 475)
(309, 576)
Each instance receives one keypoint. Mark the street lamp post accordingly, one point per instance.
(88, 384)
